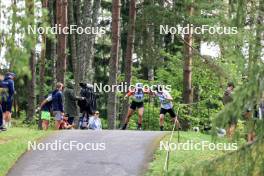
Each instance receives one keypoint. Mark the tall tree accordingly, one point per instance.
(32, 65)
(84, 39)
(86, 16)
(129, 49)
(42, 65)
(42, 60)
(187, 67)
(89, 73)
(51, 53)
(259, 33)
(113, 67)
(73, 44)
(61, 19)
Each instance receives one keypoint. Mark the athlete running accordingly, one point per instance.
(166, 105)
(137, 103)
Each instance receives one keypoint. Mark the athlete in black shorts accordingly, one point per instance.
(166, 106)
(137, 103)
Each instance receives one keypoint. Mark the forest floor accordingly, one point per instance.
(13, 143)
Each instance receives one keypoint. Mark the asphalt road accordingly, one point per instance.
(93, 153)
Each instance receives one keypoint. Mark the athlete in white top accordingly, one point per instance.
(166, 106)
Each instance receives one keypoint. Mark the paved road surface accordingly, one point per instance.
(126, 153)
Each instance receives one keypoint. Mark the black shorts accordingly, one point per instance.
(170, 111)
(134, 105)
(7, 106)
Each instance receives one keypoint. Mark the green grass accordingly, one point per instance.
(183, 159)
(247, 161)
(13, 143)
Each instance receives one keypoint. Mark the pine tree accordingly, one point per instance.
(129, 49)
(113, 67)
(61, 18)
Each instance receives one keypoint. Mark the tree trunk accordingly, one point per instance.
(129, 51)
(73, 46)
(42, 68)
(86, 42)
(51, 44)
(150, 74)
(89, 73)
(187, 68)
(32, 65)
(42, 61)
(13, 32)
(259, 33)
(61, 18)
(113, 67)
(80, 46)
(151, 51)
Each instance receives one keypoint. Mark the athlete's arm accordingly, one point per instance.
(167, 96)
(130, 93)
(11, 87)
(48, 99)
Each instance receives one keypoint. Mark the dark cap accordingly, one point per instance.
(10, 75)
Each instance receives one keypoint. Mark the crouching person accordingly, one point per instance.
(65, 125)
(95, 122)
(83, 124)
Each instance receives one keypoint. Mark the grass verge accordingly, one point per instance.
(180, 160)
(13, 143)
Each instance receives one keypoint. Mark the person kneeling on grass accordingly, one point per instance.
(95, 122)
(45, 108)
(166, 106)
(65, 124)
